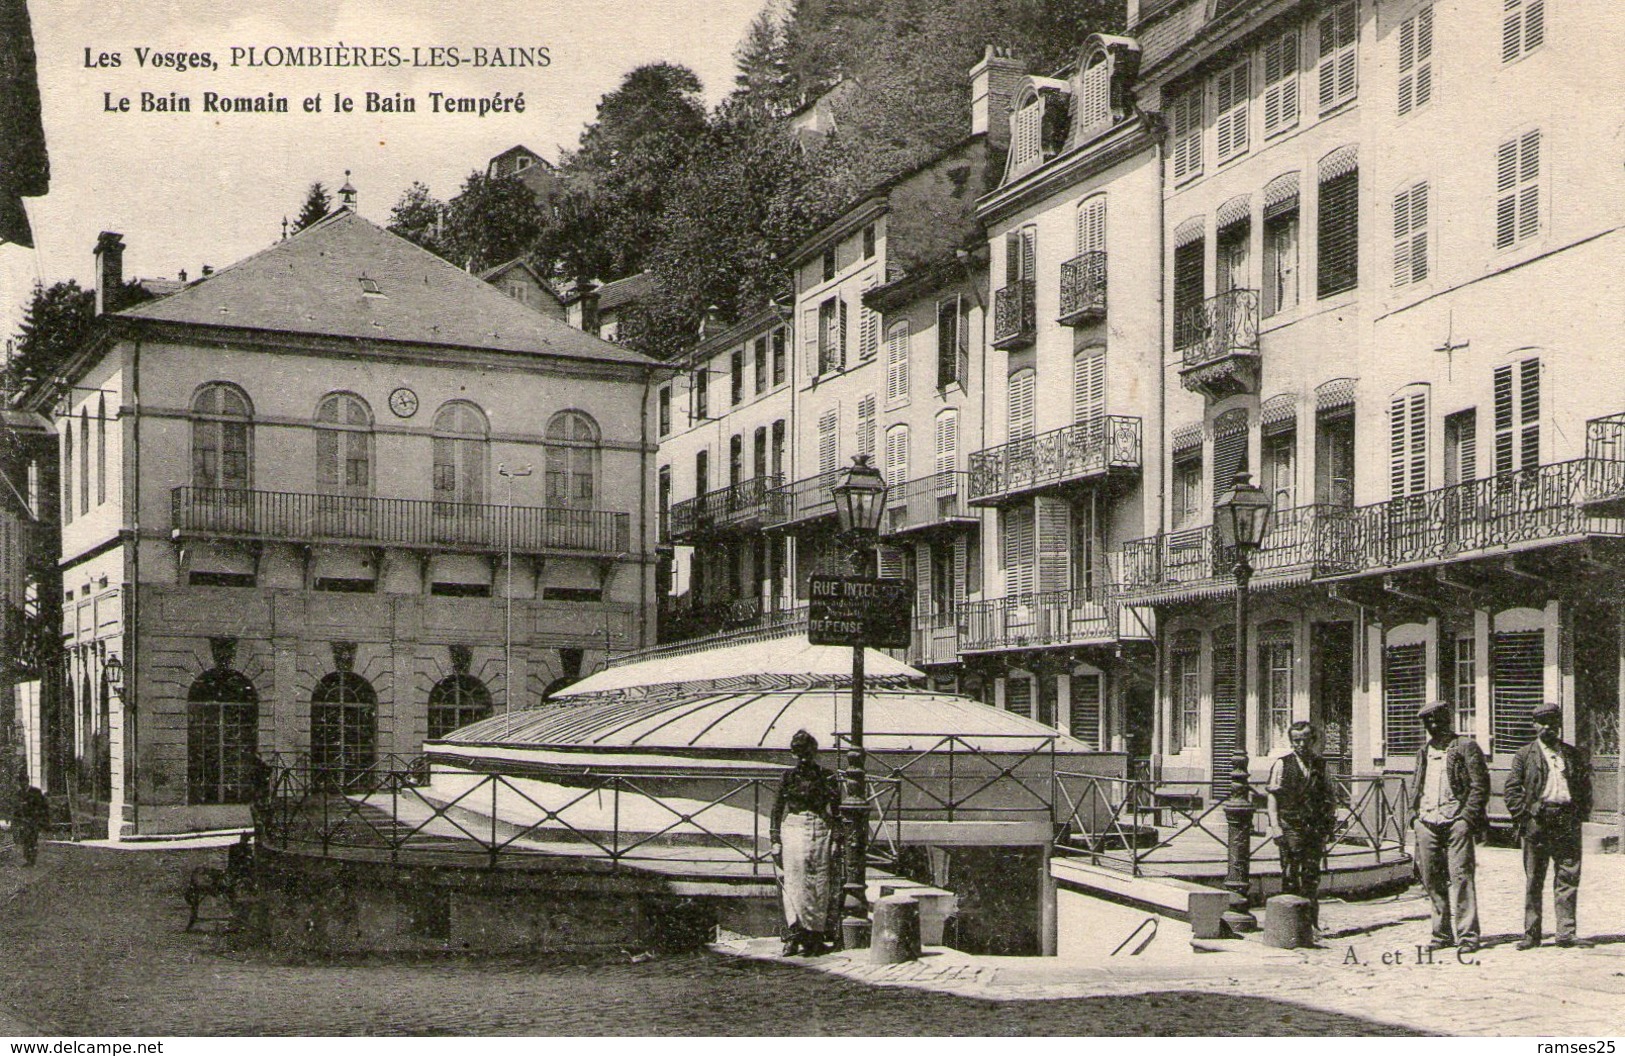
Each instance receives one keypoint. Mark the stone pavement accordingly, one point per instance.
(1367, 966)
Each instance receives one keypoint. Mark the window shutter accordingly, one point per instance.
(1410, 235)
(1189, 283)
(1232, 90)
(1054, 532)
(1092, 224)
(947, 441)
(1404, 690)
(1281, 83)
(1517, 686)
(1529, 441)
(897, 457)
(947, 341)
(1029, 252)
(1229, 453)
(1185, 127)
(840, 339)
(1407, 438)
(1086, 711)
(1339, 217)
(1018, 695)
(1416, 61)
(828, 458)
(1336, 71)
(1089, 386)
(1224, 710)
(1523, 27)
(1461, 447)
(1021, 404)
(1018, 552)
(897, 364)
(809, 341)
(1027, 140)
(1504, 453)
(1517, 186)
(1012, 258)
(961, 570)
(1097, 103)
(866, 426)
(868, 326)
(890, 561)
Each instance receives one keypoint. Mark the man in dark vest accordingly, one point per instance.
(28, 818)
(1548, 794)
(1303, 810)
(1448, 801)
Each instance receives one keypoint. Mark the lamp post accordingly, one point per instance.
(1240, 518)
(507, 591)
(113, 676)
(860, 498)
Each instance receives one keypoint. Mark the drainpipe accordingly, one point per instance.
(646, 571)
(132, 603)
(1159, 691)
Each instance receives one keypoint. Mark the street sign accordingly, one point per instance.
(853, 610)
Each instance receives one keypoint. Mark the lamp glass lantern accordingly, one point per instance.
(860, 499)
(113, 675)
(1242, 515)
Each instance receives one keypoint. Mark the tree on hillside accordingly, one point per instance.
(419, 217)
(317, 205)
(58, 321)
(492, 220)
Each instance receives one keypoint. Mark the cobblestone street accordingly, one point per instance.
(93, 944)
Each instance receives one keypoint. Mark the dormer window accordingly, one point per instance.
(1026, 136)
(1095, 108)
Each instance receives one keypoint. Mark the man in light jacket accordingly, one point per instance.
(1548, 794)
(1449, 801)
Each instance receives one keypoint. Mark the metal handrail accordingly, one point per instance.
(1051, 617)
(1083, 286)
(1221, 326)
(1089, 448)
(743, 501)
(923, 502)
(1015, 312)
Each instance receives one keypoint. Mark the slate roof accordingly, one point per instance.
(311, 283)
(624, 291)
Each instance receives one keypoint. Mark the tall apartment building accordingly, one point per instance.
(295, 507)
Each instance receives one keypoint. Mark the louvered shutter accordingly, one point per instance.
(1461, 447)
(1229, 452)
(948, 341)
(1339, 217)
(868, 325)
(1416, 61)
(1517, 416)
(889, 561)
(1022, 384)
(1517, 687)
(327, 459)
(1029, 252)
(1027, 141)
(1407, 445)
(1091, 231)
(1089, 386)
(1018, 552)
(897, 458)
(809, 341)
(1224, 712)
(1529, 413)
(1517, 189)
(1087, 713)
(840, 338)
(1018, 695)
(947, 446)
(1189, 279)
(1523, 27)
(1411, 235)
(866, 426)
(1097, 104)
(1404, 690)
(961, 571)
(1185, 129)
(1053, 519)
(1233, 97)
(1336, 71)
(828, 457)
(1281, 83)
(897, 364)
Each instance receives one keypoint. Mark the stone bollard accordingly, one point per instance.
(896, 936)
(1286, 922)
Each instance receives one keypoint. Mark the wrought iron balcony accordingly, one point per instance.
(1083, 289)
(1540, 506)
(1068, 455)
(1015, 315)
(418, 523)
(741, 506)
(1218, 343)
(935, 501)
(1605, 476)
(686, 628)
(935, 640)
(805, 500)
(1301, 542)
(1044, 618)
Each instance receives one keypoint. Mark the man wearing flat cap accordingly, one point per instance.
(1449, 800)
(1548, 794)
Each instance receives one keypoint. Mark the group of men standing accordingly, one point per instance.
(1547, 793)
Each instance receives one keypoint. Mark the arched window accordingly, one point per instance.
(456, 701)
(572, 456)
(222, 437)
(101, 450)
(84, 460)
(343, 728)
(222, 738)
(343, 445)
(461, 440)
(67, 472)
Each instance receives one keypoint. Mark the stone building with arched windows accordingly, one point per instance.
(311, 494)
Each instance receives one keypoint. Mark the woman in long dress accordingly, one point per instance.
(803, 830)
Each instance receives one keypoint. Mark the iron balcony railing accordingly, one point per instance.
(738, 505)
(1219, 327)
(687, 630)
(803, 500)
(400, 522)
(928, 502)
(1083, 288)
(1307, 540)
(1060, 456)
(1538, 505)
(935, 639)
(1015, 315)
(1044, 618)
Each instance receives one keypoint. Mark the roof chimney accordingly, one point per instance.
(992, 86)
(587, 305)
(109, 271)
(711, 321)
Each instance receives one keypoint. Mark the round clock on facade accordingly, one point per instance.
(404, 402)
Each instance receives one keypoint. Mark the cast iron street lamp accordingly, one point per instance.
(860, 498)
(1240, 517)
(507, 636)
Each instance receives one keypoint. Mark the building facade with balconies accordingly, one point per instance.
(1380, 306)
(295, 507)
(724, 422)
(1072, 343)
